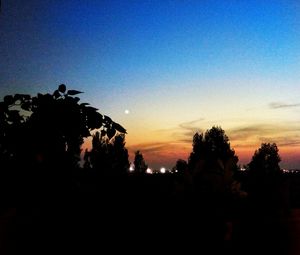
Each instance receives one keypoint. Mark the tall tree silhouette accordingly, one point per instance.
(140, 165)
(213, 146)
(211, 164)
(198, 151)
(120, 162)
(268, 197)
(264, 171)
(108, 155)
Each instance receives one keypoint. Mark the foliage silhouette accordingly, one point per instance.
(109, 156)
(261, 222)
(140, 165)
(48, 128)
(212, 148)
(265, 160)
(265, 176)
(181, 166)
(211, 165)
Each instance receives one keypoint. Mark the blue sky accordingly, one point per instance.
(225, 63)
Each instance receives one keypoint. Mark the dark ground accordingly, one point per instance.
(142, 216)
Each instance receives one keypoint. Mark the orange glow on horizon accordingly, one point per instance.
(166, 154)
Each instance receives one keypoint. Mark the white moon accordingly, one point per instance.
(127, 111)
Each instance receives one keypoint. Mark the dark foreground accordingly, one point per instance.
(145, 215)
(90, 236)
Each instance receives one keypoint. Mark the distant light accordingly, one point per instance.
(176, 171)
(149, 171)
(131, 168)
(126, 111)
(163, 170)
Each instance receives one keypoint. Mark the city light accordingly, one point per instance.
(163, 170)
(149, 171)
(131, 168)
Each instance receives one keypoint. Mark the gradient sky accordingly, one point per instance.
(177, 66)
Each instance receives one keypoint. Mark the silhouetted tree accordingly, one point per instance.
(211, 147)
(140, 165)
(265, 160)
(198, 151)
(108, 156)
(264, 171)
(120, 163)
(217, 144)
(181, 166)
(99, 155)
(48, 129)
(268, 198)
(211, 164)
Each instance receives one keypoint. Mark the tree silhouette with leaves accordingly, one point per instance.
(198, 151)
(181, 166)
(120, 162)
(266, 182)
(264, 170)
(109, 156)
(211, 165)
(213, 146)
(48, 128)
(140, 165)
(265, 160)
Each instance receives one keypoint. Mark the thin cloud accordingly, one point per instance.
(283, 141)
(191, 125)
(277, 105)
(186, 137)
(155, 146)
(250, 131)
(148, 147)
(262, 130)
(186, 130)
(282, 135)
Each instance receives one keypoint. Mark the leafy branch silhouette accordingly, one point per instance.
(49, 124)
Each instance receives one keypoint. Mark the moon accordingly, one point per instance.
(126, 111)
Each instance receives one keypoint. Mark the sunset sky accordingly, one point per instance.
(165, 69)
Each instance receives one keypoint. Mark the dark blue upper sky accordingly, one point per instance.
(113, 42)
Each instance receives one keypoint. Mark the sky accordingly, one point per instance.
(165, 69)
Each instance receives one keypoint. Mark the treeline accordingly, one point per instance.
(41, 138)
(40, 146)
